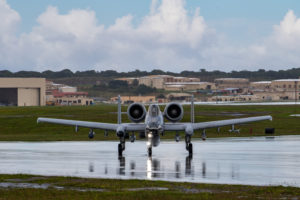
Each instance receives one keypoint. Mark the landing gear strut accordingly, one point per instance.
(91, 134)
(149, 151)
(189, 145)
(149, 143)
(121, 146)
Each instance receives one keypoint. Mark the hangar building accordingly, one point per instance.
(23, 91)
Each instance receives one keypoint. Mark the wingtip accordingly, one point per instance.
(38, 120)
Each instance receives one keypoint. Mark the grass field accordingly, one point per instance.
(83, 188)
(19, 123)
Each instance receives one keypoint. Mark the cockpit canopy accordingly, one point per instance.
(153, 110)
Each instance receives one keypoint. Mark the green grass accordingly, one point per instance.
(119, 189)
(19, 123)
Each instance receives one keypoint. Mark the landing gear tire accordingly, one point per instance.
(190, 149)
(149, 152)
(91, 135)
(120, 150)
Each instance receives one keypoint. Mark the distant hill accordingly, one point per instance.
(102, 84)
(110, 74)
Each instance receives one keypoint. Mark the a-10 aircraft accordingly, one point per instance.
(152, 124)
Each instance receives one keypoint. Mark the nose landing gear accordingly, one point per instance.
(121, 146)
(189, 145)
(149, 151)
(149, 143)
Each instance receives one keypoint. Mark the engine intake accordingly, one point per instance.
(136, 112)
(173, 112)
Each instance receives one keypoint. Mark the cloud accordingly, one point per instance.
(9, 19)
(167, 37)
(281, 49)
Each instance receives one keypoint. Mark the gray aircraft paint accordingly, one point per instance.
(154, 124)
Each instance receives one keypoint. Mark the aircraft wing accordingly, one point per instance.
(213, 124)
(94, 125)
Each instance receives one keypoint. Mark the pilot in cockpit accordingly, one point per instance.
(153, 110)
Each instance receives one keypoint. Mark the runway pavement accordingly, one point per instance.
(251, 161)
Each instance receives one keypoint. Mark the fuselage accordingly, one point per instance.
(154, 125)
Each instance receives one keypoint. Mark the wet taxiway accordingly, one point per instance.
(253, 161)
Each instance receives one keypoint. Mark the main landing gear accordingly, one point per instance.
(121, 146)
(91, 134)
(189, 145)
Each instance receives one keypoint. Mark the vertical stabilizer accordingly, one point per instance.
(119, 110)
(192, 110)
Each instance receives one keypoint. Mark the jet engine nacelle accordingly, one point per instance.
(173, 112)
(136, 112)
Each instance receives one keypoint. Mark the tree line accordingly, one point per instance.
(204, 75)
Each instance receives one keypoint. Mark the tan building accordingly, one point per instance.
(156, 81)
(128, 80)
(285, 85)
(67, 89)
(273, 95)
(50, 85)
(260, 86)
(234, 98)
(60, 94)
(223, 83)
(69, 99)
(159, 81)
(179, 97)
(23, 91)
(276, 90)
(135, 99)
(186, 86)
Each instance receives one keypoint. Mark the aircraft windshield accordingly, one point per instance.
(153, 110)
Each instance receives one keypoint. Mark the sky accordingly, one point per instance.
(172, 35)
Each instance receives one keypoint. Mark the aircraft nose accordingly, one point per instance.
(153, 125)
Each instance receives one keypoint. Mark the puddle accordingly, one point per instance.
(194, 190)
(46, 186)
(24, 185)
(295, 115)
(148, 189)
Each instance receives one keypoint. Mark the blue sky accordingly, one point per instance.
(216, 11)
(245, 26)
(241, 21)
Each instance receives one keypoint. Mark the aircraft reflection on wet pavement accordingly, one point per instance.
(153, 168)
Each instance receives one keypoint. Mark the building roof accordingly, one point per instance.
(186, 83)
(156, 76)
(231, 89)
(262, 82)
(286, 80)
(68, 87)
(124, 78)
(179, 95)
(62, 94)
(231, 79)
(179, 85)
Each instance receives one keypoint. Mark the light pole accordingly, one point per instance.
(296, 91)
